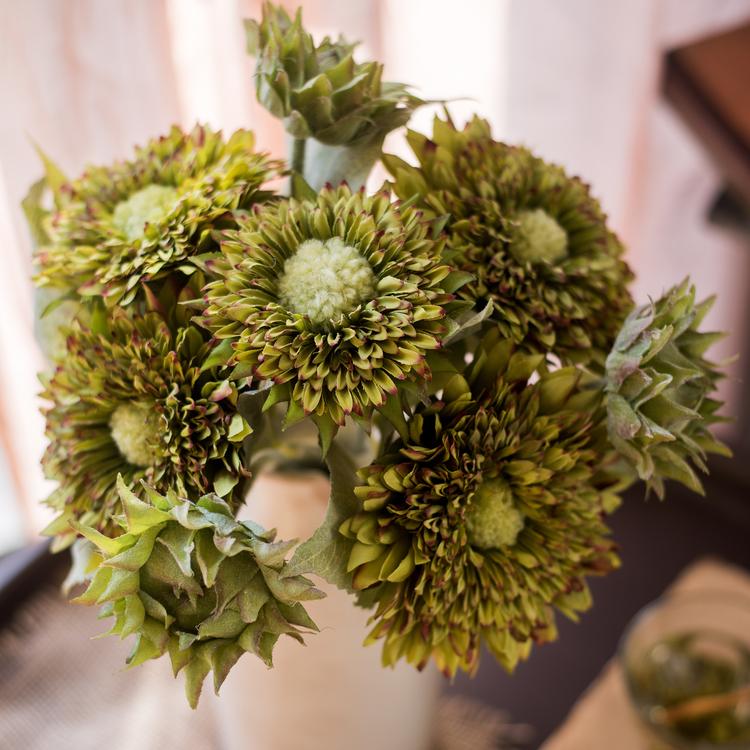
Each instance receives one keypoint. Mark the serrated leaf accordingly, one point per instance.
(141, 516)
(327, 551)
(219, 355)
(133, 558)
(224, 482)
(195, 674)
(35, 213)
(393, 411)
(468, 324)
(301, 190)
(53, 175)
(327, 430)
(208, 557)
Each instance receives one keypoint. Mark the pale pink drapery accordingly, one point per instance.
(576, 80)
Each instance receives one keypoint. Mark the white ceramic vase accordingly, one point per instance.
(332, 693)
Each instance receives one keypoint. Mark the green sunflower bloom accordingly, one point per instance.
(187, 579)
(486, 517)
(319, 91)
(535, 240)
(142, 218)
(130, 398)
(659, 388)
(336, 301)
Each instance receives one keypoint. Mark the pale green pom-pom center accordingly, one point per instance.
(539, 238)
(324, 280)
(149, 205)
(135, 428)
(493, 521)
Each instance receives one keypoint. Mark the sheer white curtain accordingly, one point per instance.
(85, 80)
(575, 80)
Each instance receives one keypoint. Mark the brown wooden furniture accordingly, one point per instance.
(708, 83)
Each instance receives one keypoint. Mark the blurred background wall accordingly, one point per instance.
(576, 80)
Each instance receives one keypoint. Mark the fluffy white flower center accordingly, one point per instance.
(325, 279)
(493, 520)
(135, 428)
(148, 205)
(539, 238)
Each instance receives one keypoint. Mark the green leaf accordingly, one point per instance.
(301, 190)
(141, 516)
(252, 37)
(35, 213)
(239, 429)
(53, 175)
(135, 614)
(287, 588)
(195, 673)
(180, 543)
(521, 366)
(556, 387)
(219, 355)
(252, 598)
(106, 544)
(294, 413)
(327, 551)
(96, 588)
(455, 280)
(468, 323)
(179, 657)
(225, 482)
(223, 657)
(274, 395)
(135, 557)
(226, 624)
(393, 411)
(327, 430)
(208, 557)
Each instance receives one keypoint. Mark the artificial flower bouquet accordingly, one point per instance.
(458, 350)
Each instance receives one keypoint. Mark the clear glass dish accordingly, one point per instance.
(686, 664)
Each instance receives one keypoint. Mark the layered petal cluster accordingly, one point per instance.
(141, 218)
(130, 398)
(187, 579)
(487, 516)
(534, 239)
(660, 390)
(319, 91)
(335, 300)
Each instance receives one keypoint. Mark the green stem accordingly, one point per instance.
(298, 155)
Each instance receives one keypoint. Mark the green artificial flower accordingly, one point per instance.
(319, 90)
(189, 580)
(659, 388)
(130, 398)
(140, 219)
(336, 301)
(534, 239)
(487, 515)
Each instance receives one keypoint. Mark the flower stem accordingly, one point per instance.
(298, 155)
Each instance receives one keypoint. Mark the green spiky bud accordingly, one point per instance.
(319, 91)
(189, 580)
(660, 387)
